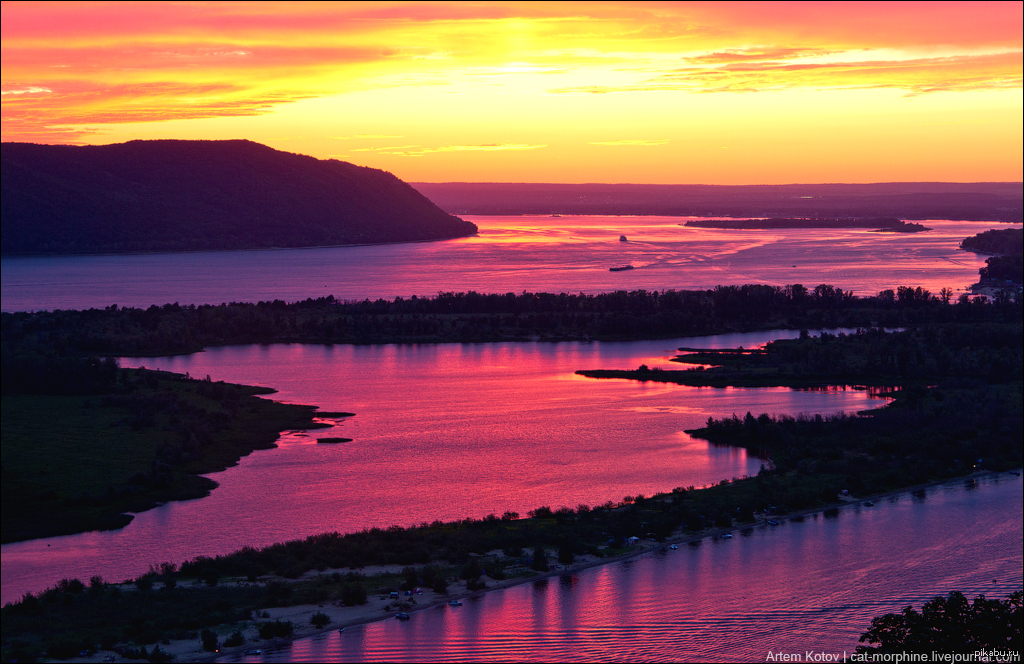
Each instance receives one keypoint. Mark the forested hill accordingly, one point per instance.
(197, 195)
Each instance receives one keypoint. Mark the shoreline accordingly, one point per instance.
(343, 618)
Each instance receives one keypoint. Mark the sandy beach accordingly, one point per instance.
(343, 617)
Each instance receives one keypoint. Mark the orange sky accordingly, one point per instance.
(655, 92)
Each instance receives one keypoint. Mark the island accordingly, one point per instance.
(878, 224)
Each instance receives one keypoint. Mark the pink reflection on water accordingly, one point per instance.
(511, 254)
(808, 585)
(444, 431)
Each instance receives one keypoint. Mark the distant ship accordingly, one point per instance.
(622, 238)
(620, 268)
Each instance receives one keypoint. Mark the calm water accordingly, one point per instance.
(813, 585)
(442, 431)
(449, 431)
(510, 254)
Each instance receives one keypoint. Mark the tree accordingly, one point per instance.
(540, 559)
(950, 625)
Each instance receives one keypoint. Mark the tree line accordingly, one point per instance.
(466, 317)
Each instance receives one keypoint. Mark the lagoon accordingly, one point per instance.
(441, 431)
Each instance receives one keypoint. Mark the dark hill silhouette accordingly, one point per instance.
(198, 195)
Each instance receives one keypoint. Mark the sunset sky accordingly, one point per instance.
(652, 92)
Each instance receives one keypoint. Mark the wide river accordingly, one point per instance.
(454, 430)
(812, 585)
(510, 254)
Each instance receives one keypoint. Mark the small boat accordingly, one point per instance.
(622, 238)
(620, 268)
(869, 504)
(402, 616)
(772, 522)
(726, 535)
(256, 652)
(673, 547)
(455, 602)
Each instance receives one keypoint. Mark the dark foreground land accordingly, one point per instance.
(82, 457)
(955, 374)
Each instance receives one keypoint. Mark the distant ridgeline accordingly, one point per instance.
(198, 195)
(880, 224)
(975, 201)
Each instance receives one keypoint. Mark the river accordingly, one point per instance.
(454, 430)
(808, 585)
(510, 254)
(441, 431)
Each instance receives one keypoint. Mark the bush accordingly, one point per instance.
(277, 628)
(320, 619)
(540, 559)
(353, 593)
(471, 571)
(411, 578)
(235, 640)
(209, 639)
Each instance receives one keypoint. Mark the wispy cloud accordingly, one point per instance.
(31, 90)
(760, 70)
(419, 151)
(387, 149)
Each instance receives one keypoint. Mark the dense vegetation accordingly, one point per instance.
(952, 625)
(887, 224)
(80, 452)
(985, 351)
(1002, 269)
(1002, 242)
(201, 195)
(1007, 264)
(906, 200)
(471, 316)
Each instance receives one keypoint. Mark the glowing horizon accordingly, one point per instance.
(729, 93)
